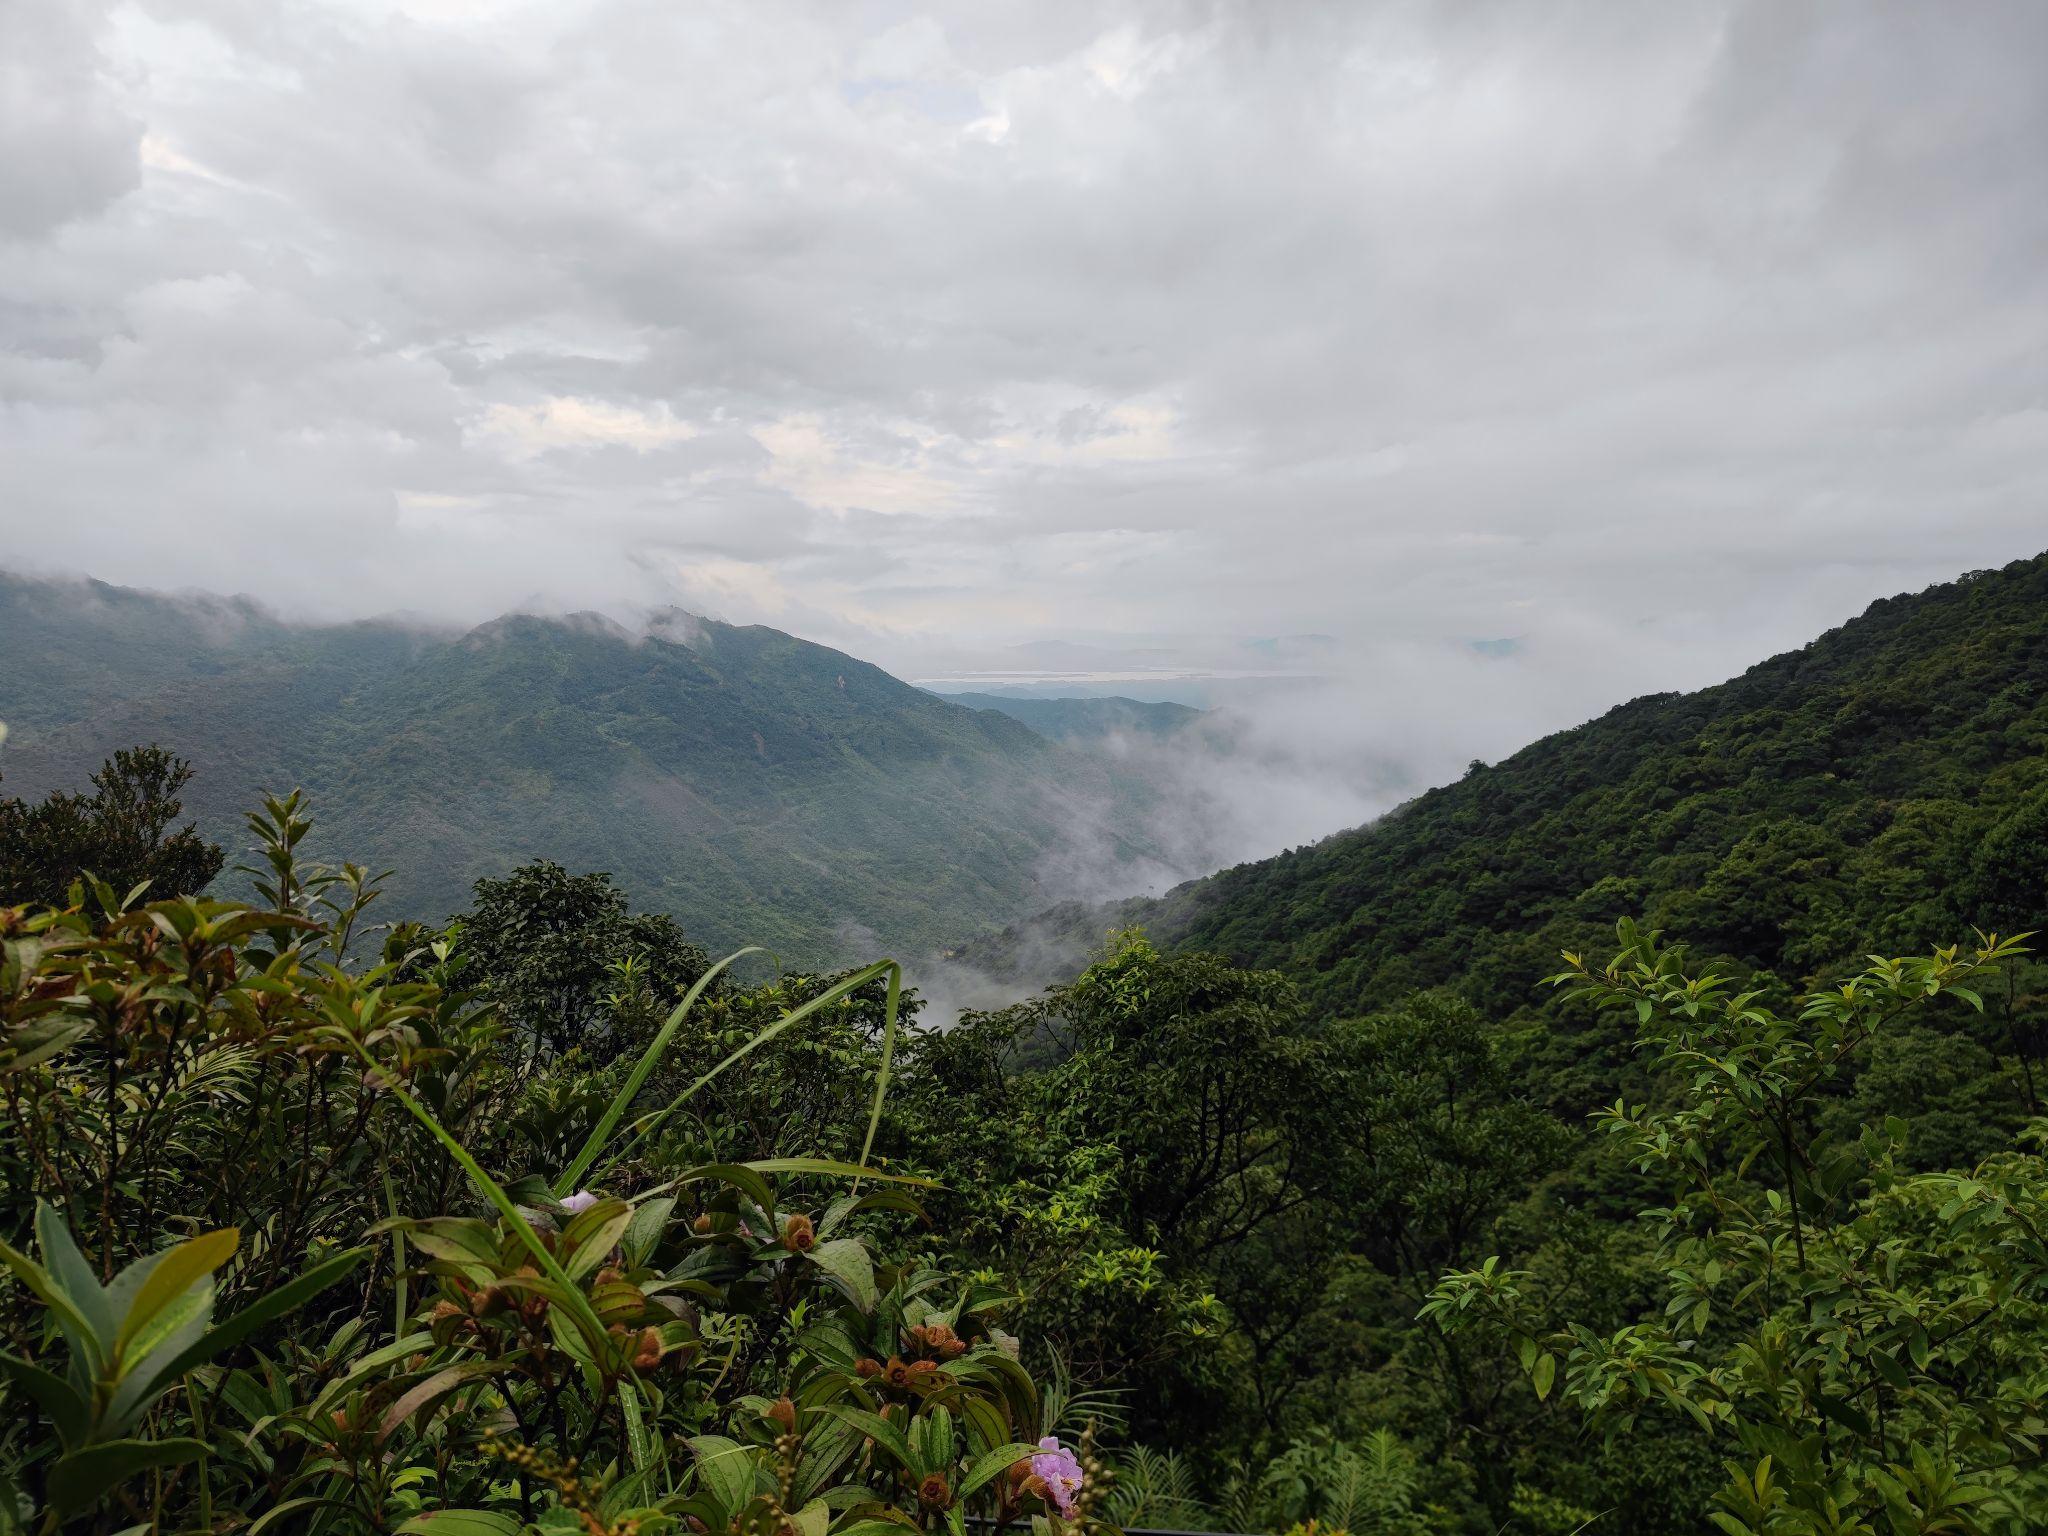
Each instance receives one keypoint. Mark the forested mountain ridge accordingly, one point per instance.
(1829, 801)
(1084, 720)
(758, 787)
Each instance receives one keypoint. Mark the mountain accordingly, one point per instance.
(761, 788)
(1830, 801)
(1083, 721)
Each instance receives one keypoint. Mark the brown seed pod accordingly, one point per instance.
(648, 1355)
(933, 1492)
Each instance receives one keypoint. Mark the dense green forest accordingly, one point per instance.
(1876, 788)
(1452, 1196)
(759, 788)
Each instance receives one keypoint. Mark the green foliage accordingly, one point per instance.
(1863, 1344)
(552, 951)
(758, 788)
(122, 833)
(1832, 800)
(422, 1330)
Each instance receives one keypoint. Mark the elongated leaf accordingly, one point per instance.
(889, 1010)
(81, 1479)
(990, 1463)
(639, 1444)
(42, 1040)
(830, 995)
(725, 1470)
(73, 1275)
(876, 1428)
(77, 1326)
(456, 1240)
(877, 1527)
(491, 1190)
(277, 1512)
(265, 1309)
(173, 1276)
(593, 1234)
(629, 1090)
(462, 1522)
(70, 1413)
(847, 1262)
(650, 1220)
(175, 1272)
(747, 1181)
(435, 1387)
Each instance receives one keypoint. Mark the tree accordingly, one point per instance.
(1863, 1344)
(547, 948)
(120, 833)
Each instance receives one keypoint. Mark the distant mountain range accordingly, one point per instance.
(1083, 722)
(761, 788)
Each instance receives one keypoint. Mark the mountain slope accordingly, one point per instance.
(1083, 720)
(759, 787)
(1829, 801)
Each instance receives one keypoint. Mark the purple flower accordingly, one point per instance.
(1060, 1472)
(579, 1202)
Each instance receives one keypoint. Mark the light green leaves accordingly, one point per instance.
(131, 1340)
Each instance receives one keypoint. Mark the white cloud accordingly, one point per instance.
(570, 421)
(953, 326)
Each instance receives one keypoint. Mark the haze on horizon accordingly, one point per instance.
(1652, 339)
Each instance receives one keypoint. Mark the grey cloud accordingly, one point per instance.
(930, 330)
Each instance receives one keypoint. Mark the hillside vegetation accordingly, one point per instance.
(1848, 796)
(1085, 720)
(540, 1221)
(755, 786)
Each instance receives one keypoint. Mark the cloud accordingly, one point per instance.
(927, 330)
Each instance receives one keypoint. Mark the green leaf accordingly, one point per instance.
(461, 1522)
(70, 1413)
(630, 1089)
(992, 1463)
(278, 1512)
(725, 1469)
(81, 1479)
(876, 1527)
(1887, 1365)
(1544, 1373)
(593, 1234)
(286, 1298)
(847, 1262)
(42, 1040)
(830, 995)
(1842, 1413)
(649, 1221)
(876, 1428)
(435, 1387)
(174, 1274)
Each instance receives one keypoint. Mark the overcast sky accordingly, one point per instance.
(1679, 328)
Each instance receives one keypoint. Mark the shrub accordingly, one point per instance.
(217, 1114)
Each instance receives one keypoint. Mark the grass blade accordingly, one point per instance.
(594, 1143)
